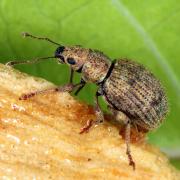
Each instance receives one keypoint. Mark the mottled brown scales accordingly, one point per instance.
(139, 96)
(90, 70)
(132, 92)
(76, 53)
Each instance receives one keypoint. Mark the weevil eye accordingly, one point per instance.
(71, 61)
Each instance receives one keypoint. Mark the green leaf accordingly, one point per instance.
(176, 163)
(145, 31)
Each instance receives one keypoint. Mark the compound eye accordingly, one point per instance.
(71, 61)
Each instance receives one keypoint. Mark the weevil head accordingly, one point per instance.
(92, 64)
(74, 56)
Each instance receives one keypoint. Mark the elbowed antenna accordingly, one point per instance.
(25, 34)
(12, 63)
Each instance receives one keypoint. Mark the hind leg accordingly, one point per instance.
(120, 116)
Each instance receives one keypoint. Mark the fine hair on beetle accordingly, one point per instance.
(133, 94)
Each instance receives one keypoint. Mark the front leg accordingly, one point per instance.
(71, 76)
(83, 83)
(66, 88)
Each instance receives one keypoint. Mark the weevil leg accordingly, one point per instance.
(86, 127)
(127, 140)
(83, 83)
(122, 117)
(66, 88)
(79, 89)
(99, 115)
(71, 75)
(98, 111)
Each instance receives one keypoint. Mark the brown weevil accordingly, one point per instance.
(132, 93)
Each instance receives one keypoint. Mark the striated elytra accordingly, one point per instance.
(132, 92)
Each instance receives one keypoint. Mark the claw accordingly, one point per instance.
(10, 63)
(86, 128)
(26, 96)
(131, 162)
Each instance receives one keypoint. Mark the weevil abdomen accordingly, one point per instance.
(134, 90)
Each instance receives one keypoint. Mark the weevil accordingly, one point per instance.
(133, 93)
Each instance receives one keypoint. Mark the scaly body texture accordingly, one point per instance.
(133, 90)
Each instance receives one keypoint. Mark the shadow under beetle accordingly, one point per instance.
(132, 93)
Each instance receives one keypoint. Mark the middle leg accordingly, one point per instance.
(99, 116)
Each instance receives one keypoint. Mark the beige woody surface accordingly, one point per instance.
(39, 138)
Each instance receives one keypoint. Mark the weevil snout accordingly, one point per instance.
(58, 53)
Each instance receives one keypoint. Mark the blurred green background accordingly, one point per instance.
(145, 31)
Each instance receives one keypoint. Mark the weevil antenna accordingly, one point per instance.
(12, 63)
(25, 34)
